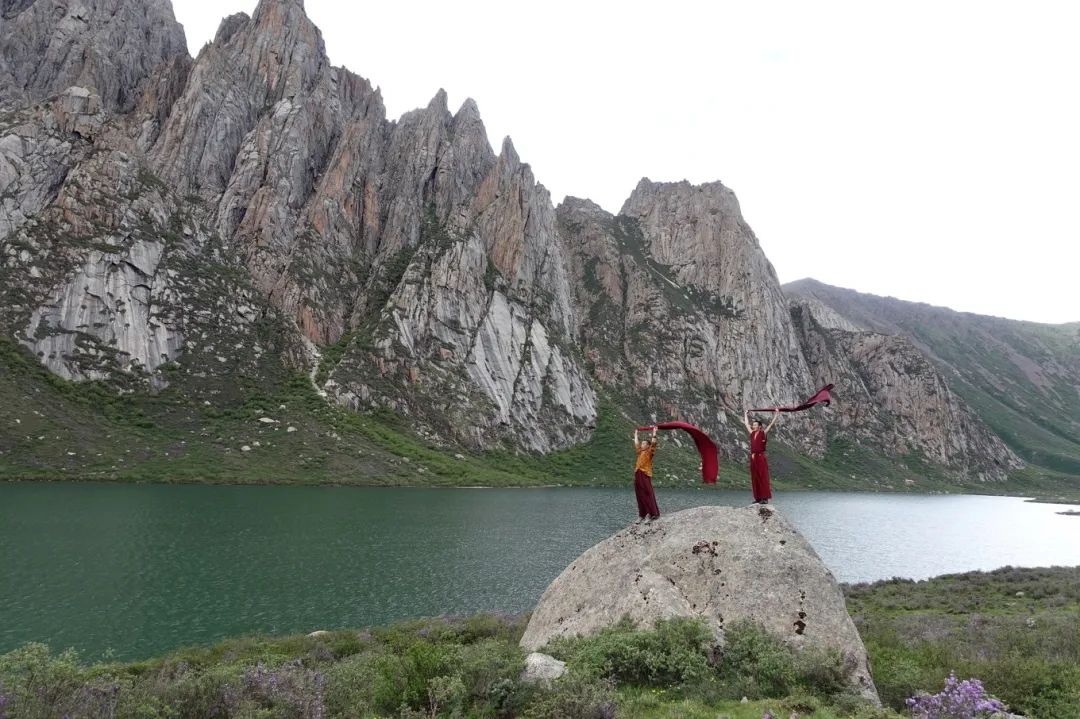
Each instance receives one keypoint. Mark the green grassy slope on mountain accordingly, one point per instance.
(52, 429)
(1022, 378)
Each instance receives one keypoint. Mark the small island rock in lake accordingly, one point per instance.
(723, 564)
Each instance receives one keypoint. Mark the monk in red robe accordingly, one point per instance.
(759, 464)
(643, 489)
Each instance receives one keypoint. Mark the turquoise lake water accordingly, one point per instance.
(142, 569)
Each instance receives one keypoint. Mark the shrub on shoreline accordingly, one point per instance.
(434, 668)
(1015, 629)
(1026, 650)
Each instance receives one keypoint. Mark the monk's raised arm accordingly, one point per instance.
(776, 416)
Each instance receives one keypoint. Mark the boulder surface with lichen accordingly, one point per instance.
(719, 564)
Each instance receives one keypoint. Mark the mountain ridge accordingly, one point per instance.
(256, 213)
(810, 282)
(989, 362)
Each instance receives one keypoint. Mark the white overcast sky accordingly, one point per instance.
(924, 150)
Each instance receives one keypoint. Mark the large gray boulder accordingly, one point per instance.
(722, 564)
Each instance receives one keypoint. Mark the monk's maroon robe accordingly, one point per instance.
(646, 496)
(759, 466)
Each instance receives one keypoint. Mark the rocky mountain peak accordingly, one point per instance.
(469, 110)
(435, 274)
(229, 26)
(109, 46)
(469, 127)
(285, 46)
(649, 192)
(440, 103)
(826, 317)
(699, 231)
(253, 66)
(508, 152)
(572, 206)
(678, 299)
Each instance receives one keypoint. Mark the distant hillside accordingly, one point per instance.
(1022, 378)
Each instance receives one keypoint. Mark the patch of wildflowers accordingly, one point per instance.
(958, 700)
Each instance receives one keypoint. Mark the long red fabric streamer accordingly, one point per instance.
(705, 446)
(822, 397)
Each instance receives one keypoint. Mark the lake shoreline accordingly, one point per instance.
(347, 672)
(960, 490)
(216, 561)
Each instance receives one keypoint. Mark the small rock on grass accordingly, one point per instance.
(542, 669)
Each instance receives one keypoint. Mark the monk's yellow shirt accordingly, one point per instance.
(644, 459)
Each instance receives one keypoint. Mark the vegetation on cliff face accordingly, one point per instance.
(55, 429)
(1019, 377)
(1015, 629)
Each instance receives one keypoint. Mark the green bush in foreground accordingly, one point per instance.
(679, 656)
(434, 668)
(574, 697)
(675, 652)
(1016, 630)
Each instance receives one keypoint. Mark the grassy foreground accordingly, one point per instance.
(1016, 629)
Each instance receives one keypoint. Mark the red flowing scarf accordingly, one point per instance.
(706, 448)
(822, 397)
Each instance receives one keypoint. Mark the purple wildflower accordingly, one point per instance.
(958, 700)
(5, 701)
